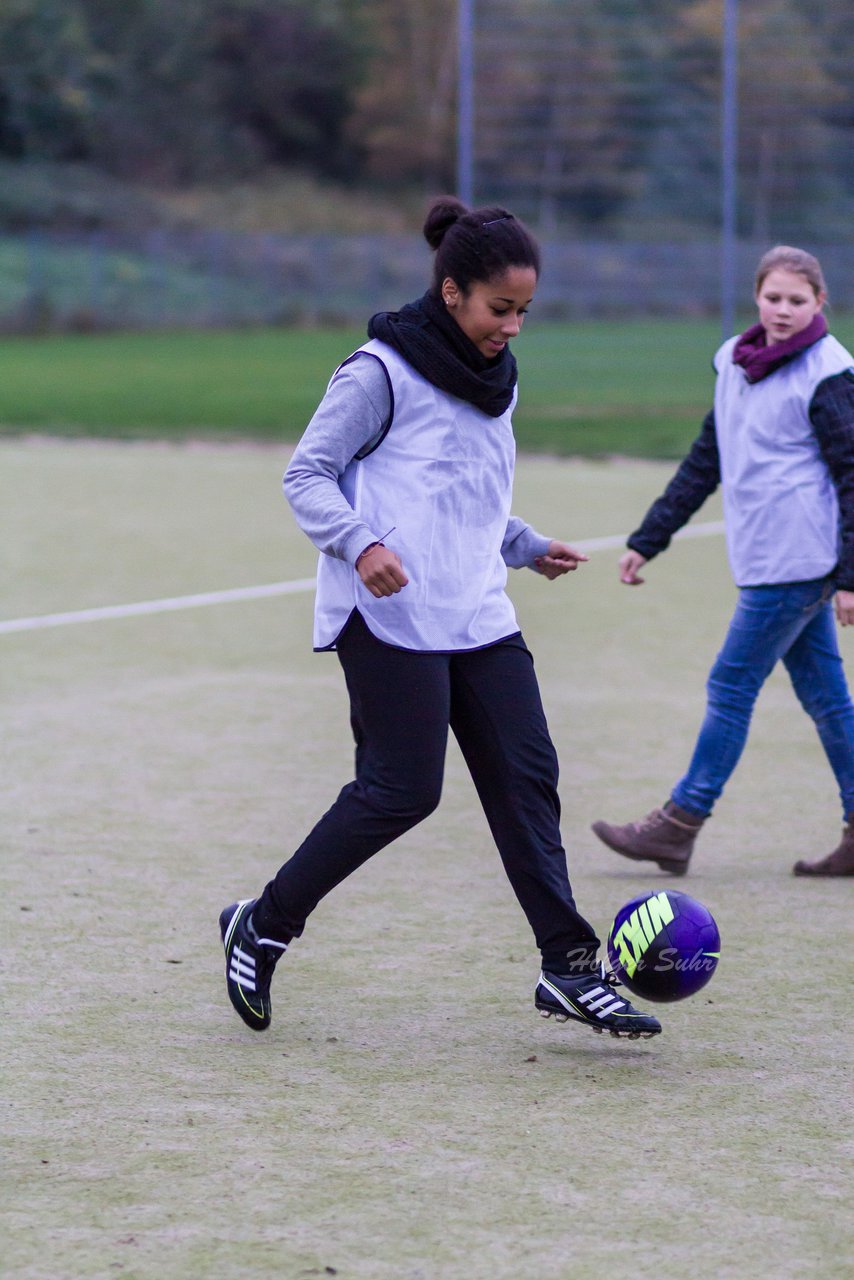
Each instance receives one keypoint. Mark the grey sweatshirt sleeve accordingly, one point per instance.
(351, 414)
(522, 545)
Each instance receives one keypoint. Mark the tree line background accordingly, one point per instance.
(597, 118)
(101, 102)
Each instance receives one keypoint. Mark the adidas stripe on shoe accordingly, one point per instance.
(249, 964)
(591, 999)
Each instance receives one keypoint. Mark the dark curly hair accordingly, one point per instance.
(474, 245)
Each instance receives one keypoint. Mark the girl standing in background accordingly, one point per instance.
(780, 439)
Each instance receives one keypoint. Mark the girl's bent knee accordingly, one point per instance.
(409, 805)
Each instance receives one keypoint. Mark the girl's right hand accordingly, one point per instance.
(629, 565)
(381, 571)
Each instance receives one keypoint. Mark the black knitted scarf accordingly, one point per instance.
(429, 338)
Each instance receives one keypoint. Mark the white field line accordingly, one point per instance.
(169, 605)
(174, 603)
(706, 530)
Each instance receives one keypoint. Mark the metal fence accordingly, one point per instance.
(607, 113)
(52, 283)
(610, 128)
(724, 119)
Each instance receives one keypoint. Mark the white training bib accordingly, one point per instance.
(438, 491)
(780, 503)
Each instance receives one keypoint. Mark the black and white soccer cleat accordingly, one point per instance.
(249, 964)
(591, 999)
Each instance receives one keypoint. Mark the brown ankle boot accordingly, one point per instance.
(838, 863)
(665, 836)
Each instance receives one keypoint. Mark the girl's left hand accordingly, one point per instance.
(844, 605)
(559, 559)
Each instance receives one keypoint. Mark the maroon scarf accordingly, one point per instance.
(758, 359)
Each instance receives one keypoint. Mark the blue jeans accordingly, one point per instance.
(793, 621)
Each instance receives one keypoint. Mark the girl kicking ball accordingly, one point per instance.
(780, 439)
(403, 481)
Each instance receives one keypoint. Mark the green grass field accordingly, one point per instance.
(408, 1116)
(637, 388)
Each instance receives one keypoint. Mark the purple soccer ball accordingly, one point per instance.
(664, 946)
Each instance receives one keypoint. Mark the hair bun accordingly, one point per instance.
(442, 214)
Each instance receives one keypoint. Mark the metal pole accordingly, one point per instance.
(729, 168)
(465, 101)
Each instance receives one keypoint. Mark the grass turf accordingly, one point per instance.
(407, 1117)
(639, 388)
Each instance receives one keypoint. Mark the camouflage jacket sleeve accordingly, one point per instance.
(832, 416)
(697, 476)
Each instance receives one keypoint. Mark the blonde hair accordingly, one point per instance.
(787, 258)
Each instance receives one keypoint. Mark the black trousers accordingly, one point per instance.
(402, 704)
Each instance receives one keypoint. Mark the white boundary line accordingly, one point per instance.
(174, 603)
(169, 605)
(706, 530)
